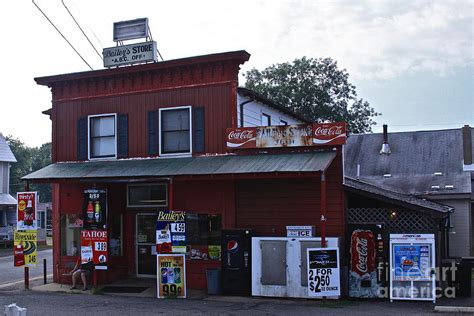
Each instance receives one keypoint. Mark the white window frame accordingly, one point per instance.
(147, 184)
(186, 154)
(89, 136)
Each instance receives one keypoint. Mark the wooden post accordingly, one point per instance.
(27, 278)
(44, 271)
(323, 209)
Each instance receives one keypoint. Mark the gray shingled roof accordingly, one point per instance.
(7, 199)
(204, 165)
(6, 154)
(390, 196)
(414, 159)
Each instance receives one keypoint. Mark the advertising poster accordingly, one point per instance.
(171, 276)
(323, 272)
(363, 281)
(25, 248)
(26, 211)
(412, 262)
(171, 232)
(94, 246)
(95, 209)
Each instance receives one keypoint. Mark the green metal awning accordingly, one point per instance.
(203, 165)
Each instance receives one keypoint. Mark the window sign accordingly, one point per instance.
(95, 209)
(175, 130)
(171, 232)
(102, 136)
(323, 272)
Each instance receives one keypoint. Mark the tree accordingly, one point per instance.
(28, 160)
(316, 89)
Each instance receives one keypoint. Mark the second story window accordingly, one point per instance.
(175, 130)
(102, 136)
(266, 120)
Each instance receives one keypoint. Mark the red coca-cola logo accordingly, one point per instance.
(362, 252)
(328, 130)
(241, 134)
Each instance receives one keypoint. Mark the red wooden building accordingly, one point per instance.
(154, 136)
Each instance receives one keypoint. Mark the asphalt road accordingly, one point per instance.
(9, 273)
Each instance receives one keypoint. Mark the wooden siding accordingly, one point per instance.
(269, 206)
(216, 100)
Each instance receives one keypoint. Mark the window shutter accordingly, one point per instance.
(198, 130)
(82, 138)
(122, 136)
(153, 134)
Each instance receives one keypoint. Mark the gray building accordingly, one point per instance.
(432, 165)
(7, 202)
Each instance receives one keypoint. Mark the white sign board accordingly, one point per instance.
(412, 261)
(130, 54)
(323, 272)
(300, 231)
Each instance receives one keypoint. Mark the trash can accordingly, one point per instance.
(213, 281)
(463, 277)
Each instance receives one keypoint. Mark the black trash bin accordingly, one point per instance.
(213, 277)
(463, 277)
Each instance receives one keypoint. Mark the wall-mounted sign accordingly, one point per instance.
(95, 209)
(25, 248)
(171, 276)
(94, 248)
(130, 54)
(171, 232)
(287, 136)
(26, 210)
(300, 231)
(323, 272)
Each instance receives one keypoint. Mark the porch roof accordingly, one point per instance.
(7, 199)
(203, 165)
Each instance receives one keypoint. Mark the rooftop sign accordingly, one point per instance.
(324, 134)
(130, 54)
(131, 29)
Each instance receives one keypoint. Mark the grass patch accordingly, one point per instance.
(96, 291)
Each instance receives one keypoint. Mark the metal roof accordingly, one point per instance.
(7, 199)
(415, 158)
(203, 165)
(6, 154)
(397, 198)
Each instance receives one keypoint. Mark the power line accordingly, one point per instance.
(61, 34)
(100, 56)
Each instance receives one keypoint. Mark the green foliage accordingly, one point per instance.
(29, 159)
(316, 89)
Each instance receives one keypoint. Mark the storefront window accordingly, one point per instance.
(204, 236)
(71, 225)
(116, 236)
(144, 195)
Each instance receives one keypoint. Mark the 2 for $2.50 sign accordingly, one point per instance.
(323, 272)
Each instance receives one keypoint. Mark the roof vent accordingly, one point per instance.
(449, 187)
(387, 175)
(385, 147)
(435, 187)
(438, 174)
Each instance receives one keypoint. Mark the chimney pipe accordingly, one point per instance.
(385, 147)
(467, 145)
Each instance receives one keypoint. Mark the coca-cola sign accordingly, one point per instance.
(362, 252)
(244, 137)
(329, 133)
(326, 134)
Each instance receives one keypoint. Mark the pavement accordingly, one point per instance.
(52, 299)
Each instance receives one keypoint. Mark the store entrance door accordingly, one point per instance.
(146, 245)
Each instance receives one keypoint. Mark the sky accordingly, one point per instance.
(413, 61)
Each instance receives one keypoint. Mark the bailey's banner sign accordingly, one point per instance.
(287, 136)
(130, 54)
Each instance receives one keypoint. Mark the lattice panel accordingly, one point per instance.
(404, 221)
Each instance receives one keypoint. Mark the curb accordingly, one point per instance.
(453, 309)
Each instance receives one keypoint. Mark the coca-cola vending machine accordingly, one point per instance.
(367, 261)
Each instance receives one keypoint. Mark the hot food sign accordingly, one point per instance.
(287, 136)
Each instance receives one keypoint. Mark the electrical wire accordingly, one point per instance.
(83, 33)
(61, 34)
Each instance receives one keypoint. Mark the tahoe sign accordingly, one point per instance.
(130, 54)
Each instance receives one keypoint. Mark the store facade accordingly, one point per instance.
(156, 137)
